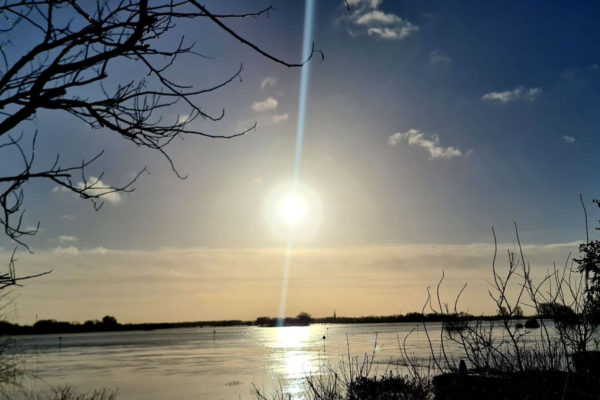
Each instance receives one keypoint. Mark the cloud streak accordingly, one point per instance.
(367, 18)
(516, 94)
(266, 105)
(430, 143)
(268, 82)
(179, 284)
(436, 57)
(277, 118)
(95, 187)
(66, 239)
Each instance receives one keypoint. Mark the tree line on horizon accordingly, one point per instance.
(109, 323)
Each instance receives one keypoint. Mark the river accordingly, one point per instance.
(211, 363)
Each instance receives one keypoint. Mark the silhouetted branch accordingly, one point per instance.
(72, 179)
(67, 69)
(252, 45)
(10, 278)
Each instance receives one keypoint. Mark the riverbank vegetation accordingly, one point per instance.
(110, 324)
(107, 324)
(555, 355)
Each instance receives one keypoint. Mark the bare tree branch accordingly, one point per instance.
(67, 67)
(68, 70)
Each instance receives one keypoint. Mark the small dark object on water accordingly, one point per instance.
(532, 323)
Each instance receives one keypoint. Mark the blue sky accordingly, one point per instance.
(427, 123)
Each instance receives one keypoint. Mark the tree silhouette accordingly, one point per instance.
(304, 318)
(589, 265)
(109, 321)
(67, 68)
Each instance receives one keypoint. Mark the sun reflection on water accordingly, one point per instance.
(295, 357)
(292, 336)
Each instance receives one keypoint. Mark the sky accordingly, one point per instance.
(426, 124)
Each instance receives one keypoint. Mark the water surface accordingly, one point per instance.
(213, 363)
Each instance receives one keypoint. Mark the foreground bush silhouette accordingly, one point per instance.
(388, 387)
(67, 393)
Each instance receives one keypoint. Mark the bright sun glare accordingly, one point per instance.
(293, 210)
(293, 206)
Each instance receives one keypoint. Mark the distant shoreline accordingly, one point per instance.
(109, 324)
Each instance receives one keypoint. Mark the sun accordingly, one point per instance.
(293, 209)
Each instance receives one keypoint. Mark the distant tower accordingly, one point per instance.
(334, 316)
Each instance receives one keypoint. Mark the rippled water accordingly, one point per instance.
(210, 363)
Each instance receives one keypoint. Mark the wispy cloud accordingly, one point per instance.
(431, 143)
(183, 118)
(519, 93)
(568, 139)
(366, 18)
(377, 17)
(60, 189)
(436, 57)
(68, 216)
(71, 250)
(267, 82)
(324, 278)
(96, 187)
(93, 187)
(277, 118)
(66, 239)
(370, 3)
(268, 104)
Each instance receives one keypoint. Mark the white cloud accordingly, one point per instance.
(68, 216)
(365, 17)
(569, 139)
(183, 118)
(368, 3)
(66, 238)
(71, 250)
(98, 250)
(96, 187)
(268, 104)
(276, 118)
(392, 33)
(417, 138)
(268, 81)
(436, 57)
(377, 17)
(519, 93)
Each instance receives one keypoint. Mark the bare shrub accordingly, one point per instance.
(501, 344)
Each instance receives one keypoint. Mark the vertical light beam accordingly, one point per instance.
(304, 82)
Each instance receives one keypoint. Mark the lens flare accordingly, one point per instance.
(309, 6)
